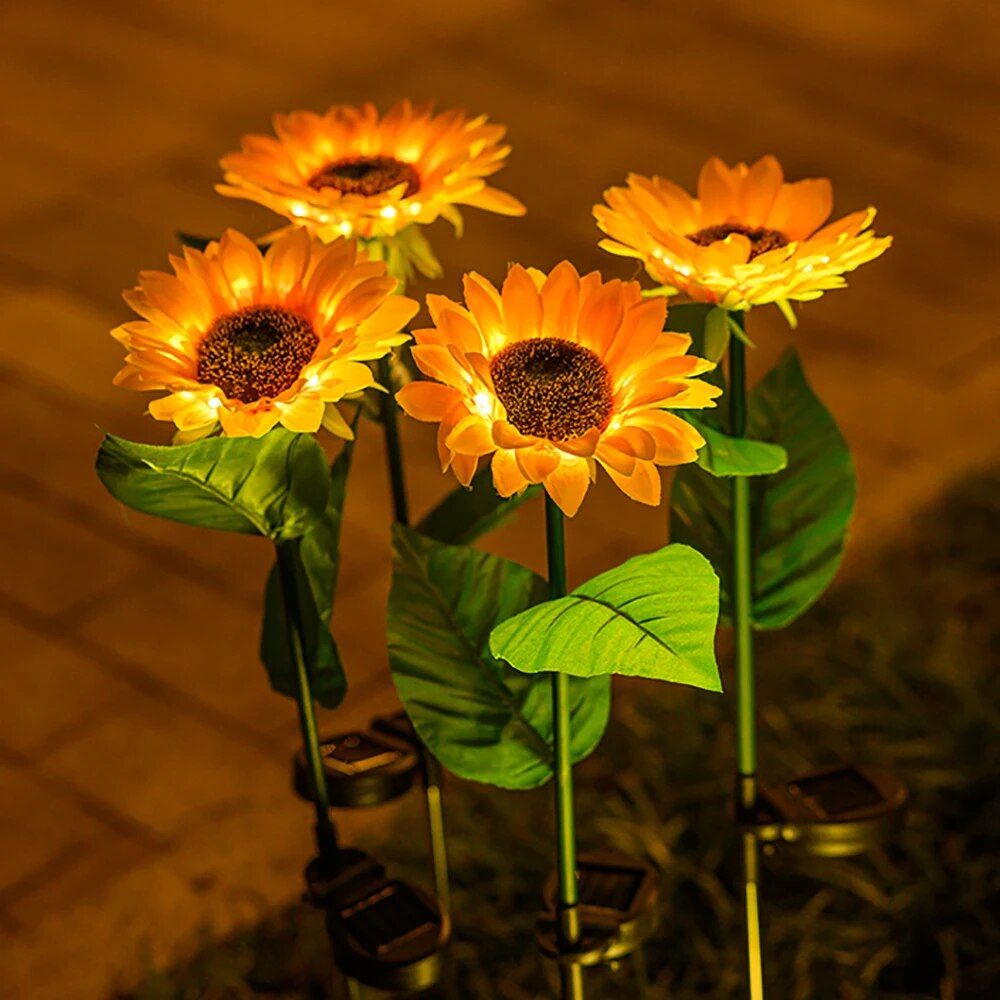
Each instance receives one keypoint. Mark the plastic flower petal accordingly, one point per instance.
(749, 237)
(349, 172)
(248, 340)
(553, 375)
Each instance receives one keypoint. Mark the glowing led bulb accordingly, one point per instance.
(299, 210)
(389, 212)
(344, 228)
(483, 403)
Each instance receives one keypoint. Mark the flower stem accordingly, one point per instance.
(746, 711)
(326, 835)
(393, 448)
(569, 915)
(746, 708)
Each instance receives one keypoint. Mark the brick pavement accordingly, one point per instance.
(143, 760)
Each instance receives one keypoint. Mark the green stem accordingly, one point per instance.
(326, 836)
(746, 705)
(393, 447)
(569, 914)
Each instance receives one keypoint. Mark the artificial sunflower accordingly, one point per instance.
(349, 172)
(554, 375)
(245, 340)
(747, 239)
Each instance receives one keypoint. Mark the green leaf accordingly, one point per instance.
(652, 616)
(317, 562)
(466, 514)
(800, 515)
(480, 718)
(723, 455)
(276, 485)
(716, 336)
(738, 330)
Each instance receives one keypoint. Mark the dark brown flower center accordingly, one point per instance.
(367, 175)
(761, 240)
(256, 352)
(552, 388)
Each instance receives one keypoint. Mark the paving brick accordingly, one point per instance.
(42, 831)
(195, 638)
(51, 565)
(48, 691)
(164, 769)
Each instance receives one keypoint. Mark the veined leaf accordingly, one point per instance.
(480, 718)
(276, 485)
(800, 514)
(466, 514)
(317, 561)
(652, 616)
(723, 455)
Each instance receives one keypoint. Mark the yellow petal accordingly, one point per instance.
(643, 484)
(507, 476)
(427, 401)
(568, 484)
(522, 306)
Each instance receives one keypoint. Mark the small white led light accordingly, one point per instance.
(483, 403)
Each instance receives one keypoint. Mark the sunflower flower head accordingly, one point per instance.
(749, 238)
(244, 340)
(553, 375)
(349, 172)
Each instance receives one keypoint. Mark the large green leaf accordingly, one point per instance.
(652, 616)
(276, 485)
(479, 717)
(800, 515)
(317, 561)
(466, 514)
(723, 455)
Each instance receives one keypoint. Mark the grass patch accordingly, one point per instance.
(894, 668)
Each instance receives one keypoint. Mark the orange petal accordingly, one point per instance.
(758, 191)
(643, 484)
(464, 467)
(427, 401)
(507, 477)
(390, 317)
(506, 435)
(538, 462)
(522, 306)
(716, 192)
(568, 484)
(614, 458)
(484, 303)
(471, 436)
(286, 260)
(801, 208)
(303, 415)
(583, 446)
(601, 315)
(560, 296)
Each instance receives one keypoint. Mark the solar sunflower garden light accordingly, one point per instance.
(254, 351)
(379, 180)
(776, 534)
(506, 677)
